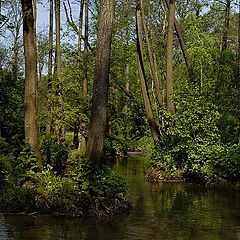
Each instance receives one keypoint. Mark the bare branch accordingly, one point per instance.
(69, 18)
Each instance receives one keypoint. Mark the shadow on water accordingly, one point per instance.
(160, 211)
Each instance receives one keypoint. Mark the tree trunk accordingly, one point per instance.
(153, 67)
(50, 65)
(60, 130)
(148, 108)
(169, 74)
(30, 96)
(85, 79)
(226, 25)
(101, 81)
(180, 39)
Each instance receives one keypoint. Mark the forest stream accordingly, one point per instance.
(160, 211)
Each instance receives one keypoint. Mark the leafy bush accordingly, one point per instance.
(53, 192)
(55, 155)
(102, 189)
(190, 138)
(144, 143)
(19, 198)
(227, 165)
(115, 146)
(85, 189)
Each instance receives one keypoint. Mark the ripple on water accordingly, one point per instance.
(3, 232)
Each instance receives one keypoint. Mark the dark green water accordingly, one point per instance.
(163, 211)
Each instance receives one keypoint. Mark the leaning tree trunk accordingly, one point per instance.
(30, 96)
(101, 81)
(169, 75)
(181, 41)
(146, 99)
(153, 66)
(50, 65)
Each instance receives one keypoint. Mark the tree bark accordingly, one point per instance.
(30, 96)
(60, 129)
(50, 65)
(101, 81)
(146, 99)
(85, 79)
(169, 74)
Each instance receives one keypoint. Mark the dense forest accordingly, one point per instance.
(104, 78)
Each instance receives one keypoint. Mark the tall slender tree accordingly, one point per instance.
(146, 99)
(101, 82)
(153, 67)
(169, 75)
(59, 127)
(85, 78)
(50, 66)
(30, 96)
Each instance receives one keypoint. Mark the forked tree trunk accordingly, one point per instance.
(50, 65)
(148, 108)
(101, 81)
(30, 96)
(153, 66)
(169, 75)
(181, 41)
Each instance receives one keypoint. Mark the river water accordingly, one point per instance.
(175, 211)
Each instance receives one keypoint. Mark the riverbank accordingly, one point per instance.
(84, 189)
(159, 211)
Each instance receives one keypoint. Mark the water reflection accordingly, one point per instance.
(160, 211)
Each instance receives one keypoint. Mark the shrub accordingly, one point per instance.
(227, 166)
(85, 189)
(55, 155)
(103, 191)
(190, 138)
(53, 192)
(115, 146)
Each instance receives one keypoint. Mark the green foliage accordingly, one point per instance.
(19, 198)
(54, 154)
(229, 128)
(190, 137)
(101, 188)
(85, 189)
(115, 146)
(227, 166)
(26, 161)
(53, 192)
(144, 143)
(11, 107)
